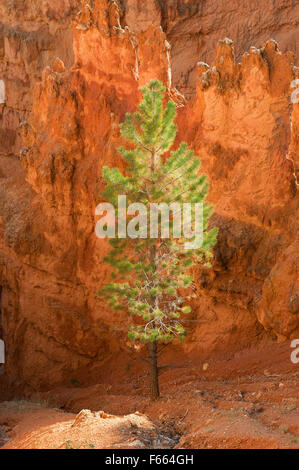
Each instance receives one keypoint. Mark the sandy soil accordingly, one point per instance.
(250, 400)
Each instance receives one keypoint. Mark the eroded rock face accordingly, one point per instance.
(51, 264)
(239, 124)
(32, 35)
(279, 306)
(194, 27)
(51, 267)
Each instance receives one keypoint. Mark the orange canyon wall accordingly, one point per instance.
(70, 73)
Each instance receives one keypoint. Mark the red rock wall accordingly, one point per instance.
(32, 35)
(51, 266)
(194, 27)
(240, 124)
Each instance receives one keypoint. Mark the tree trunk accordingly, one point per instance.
(154, 372)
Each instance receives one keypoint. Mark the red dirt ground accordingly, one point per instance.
(250, 400)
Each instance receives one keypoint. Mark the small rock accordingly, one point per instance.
(84, 415)
(58, 66)
(205, 366)
(136, 444)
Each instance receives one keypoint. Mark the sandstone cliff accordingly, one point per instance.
(63, 103)
(193, 28)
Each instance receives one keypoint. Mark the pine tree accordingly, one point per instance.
(150, 274)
